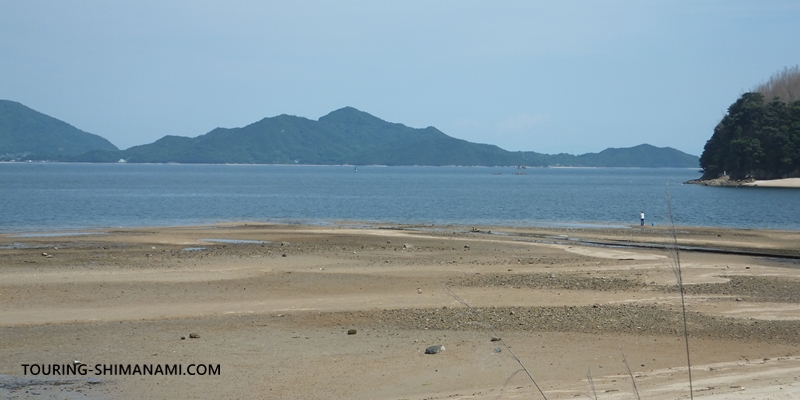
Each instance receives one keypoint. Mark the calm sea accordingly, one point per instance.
(41, 197)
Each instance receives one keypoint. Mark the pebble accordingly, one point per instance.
(434, 349)
(194, 335)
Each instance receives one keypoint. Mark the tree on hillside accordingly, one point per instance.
(757, 138)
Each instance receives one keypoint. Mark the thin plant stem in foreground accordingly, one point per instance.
(591, 382)
(676, 268)
(633, 380)
(462, 301)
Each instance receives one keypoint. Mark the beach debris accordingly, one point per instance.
(194, 335)
(76, 362)
(434, 349)
(352, 331)
(408, 246)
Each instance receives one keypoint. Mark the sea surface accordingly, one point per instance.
(39, 197)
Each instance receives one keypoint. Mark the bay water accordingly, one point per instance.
(53, 196)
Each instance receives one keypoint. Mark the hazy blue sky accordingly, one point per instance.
(547, 76)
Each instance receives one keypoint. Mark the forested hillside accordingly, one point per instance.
(27, 133)
(759, 137)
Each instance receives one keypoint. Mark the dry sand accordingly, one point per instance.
(783, 183)
(274, 313)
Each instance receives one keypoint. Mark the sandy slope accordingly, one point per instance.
(274, 313)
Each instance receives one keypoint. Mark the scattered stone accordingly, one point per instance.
(466, 246)
(352, 331)
(283, 255)
(183, 337)
(44, 254)
(434, 349)
(498, 350)
(495, 339)
(408, 246)
(419, 290)
(194, 335)
(284, 243)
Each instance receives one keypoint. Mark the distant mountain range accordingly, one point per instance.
(28, 133)
(345, 136)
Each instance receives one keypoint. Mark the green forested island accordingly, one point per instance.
(345, 136)
(26, 133)
(759, 137)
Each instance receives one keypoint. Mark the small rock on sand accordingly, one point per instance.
(194, 335)
(434, 349)
(352, 331)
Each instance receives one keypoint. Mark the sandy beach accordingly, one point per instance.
(347, 311)
(782, 183)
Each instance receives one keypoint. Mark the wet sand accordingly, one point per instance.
(272, 306)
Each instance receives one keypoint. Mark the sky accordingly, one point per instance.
(545, 76)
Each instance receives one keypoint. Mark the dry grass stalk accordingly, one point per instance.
(676, 268)
(633, 380)
(490, 327)
(591, 382)
(784, 85)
